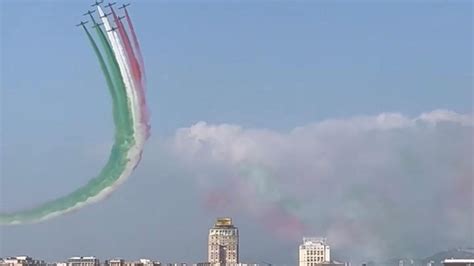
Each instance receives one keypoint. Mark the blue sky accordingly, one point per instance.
(272, 65)
(250, 63)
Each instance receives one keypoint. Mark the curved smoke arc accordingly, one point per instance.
(123, 73)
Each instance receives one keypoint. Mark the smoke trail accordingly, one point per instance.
(136, 72)
(132, 85)
(359, 181)
(145, 113)
(132, 60)
(119, 63)
(281, 213)
(136, 43)
(127, 147)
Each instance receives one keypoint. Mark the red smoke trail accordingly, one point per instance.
(135, 40)
(283, 223)
(136, 72)
(136, 66)
(273, 215)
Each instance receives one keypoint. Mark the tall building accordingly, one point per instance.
(223, 244)
(314, 251)
(83, 261)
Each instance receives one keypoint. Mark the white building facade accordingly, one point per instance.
(83, 261)
(114, 262)
(314, 251)
(223, 243)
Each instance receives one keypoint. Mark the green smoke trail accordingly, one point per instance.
(108, 79)
(118, 84)
(117, 162)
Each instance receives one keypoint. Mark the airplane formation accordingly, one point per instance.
(90, 12)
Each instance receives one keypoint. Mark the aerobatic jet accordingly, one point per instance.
(89, 12)
(97, 3)
(82, 23)
(124, 6)
(111, 4)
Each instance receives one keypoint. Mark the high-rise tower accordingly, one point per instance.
(223, 244)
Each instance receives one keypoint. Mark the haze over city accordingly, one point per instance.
(351, 121)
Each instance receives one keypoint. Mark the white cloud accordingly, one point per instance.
(446, 116)
(383, 183)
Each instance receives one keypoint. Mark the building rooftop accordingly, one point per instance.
(18, 258)
(82, 258)
(458, 261)
(224, 222)
(314, 240)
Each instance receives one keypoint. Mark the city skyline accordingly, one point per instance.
(351, 121)
(313, 251)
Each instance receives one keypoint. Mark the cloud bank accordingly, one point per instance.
(374, 185)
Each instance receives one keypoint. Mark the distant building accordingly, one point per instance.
(223, 244)
(406, 262)
(21, 261)
(143, 262)
(202, 264)
(57, 264)
(216, 264)
(314, 251)
(83, 261)
(458, 262)
(114, 262)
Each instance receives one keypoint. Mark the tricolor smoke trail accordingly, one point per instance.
(122, 65)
